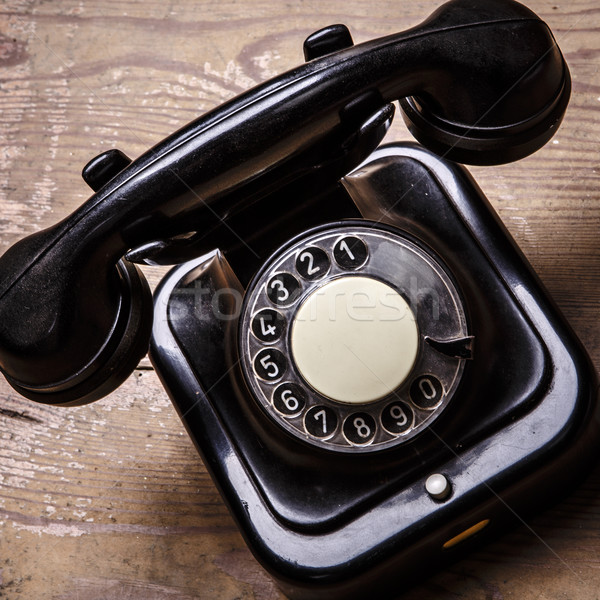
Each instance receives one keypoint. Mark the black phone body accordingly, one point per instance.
(330, 514)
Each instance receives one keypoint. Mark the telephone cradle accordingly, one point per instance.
(373, 374)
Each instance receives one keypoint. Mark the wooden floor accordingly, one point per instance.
(110, 501)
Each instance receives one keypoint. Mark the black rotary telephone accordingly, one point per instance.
(372, 372)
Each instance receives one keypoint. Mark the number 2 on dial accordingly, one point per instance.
(307, 257)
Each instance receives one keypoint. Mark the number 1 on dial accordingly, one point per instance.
(344, 246)
(350, 252)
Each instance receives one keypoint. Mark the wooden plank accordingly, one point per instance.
(111, 500)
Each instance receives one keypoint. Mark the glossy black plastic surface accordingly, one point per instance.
(522, 427)
(472, 95)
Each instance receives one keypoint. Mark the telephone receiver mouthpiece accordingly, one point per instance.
(478, 82)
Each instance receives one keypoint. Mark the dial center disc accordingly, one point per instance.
(354, 340)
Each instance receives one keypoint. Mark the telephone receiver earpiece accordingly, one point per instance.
(478, 82)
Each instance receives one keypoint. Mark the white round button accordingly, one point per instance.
(438, 486)
(354, 340)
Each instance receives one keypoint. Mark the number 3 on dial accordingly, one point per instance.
(283, 289)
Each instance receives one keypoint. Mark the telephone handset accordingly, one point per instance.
(368, 366)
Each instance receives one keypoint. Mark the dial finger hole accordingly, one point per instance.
(270, 364)
(426, 391)
(321, 421)
(312, 263)
(350, 252)
(360, 428)
(283, 289)
(268, 325)
(289, 399)
(397, 418)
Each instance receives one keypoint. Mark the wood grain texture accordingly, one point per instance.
(111, 501)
